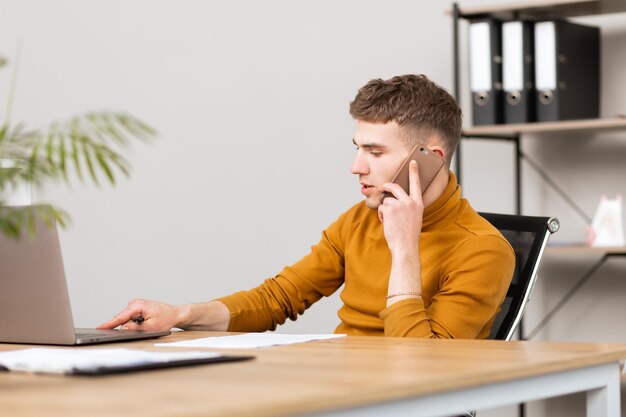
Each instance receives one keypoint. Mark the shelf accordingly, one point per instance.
(582, 249)
(538, 9)
(596, 125)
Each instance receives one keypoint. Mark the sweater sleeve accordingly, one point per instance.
(473, 283)
(294, 289)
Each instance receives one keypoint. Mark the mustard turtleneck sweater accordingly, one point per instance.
(466, 269)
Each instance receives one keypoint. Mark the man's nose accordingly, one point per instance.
(359, 166)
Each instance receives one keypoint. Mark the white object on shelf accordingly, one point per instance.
(607, 227)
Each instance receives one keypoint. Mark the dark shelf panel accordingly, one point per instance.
(538, 9)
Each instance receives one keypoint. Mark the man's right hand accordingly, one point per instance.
(156, 316)
(213, 315)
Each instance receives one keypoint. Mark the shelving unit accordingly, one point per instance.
(514, 133)
(606, 252)
(532, 10)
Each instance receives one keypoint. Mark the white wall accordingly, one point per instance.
(252, 161)
(255, 141)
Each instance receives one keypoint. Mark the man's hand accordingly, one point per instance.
(156, 316)
(402, 222)
(402, 216)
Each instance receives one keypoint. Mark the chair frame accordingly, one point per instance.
(544, 227)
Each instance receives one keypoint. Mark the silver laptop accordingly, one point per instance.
(34, 302)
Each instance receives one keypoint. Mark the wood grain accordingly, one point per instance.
(288, 380)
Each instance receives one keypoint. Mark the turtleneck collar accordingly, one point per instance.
(444, 205)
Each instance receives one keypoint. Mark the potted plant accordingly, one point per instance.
(87, 146)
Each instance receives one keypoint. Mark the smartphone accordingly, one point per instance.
(429, 163)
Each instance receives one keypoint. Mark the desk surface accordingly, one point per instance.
(302, 378)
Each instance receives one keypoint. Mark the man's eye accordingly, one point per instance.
(376, 153)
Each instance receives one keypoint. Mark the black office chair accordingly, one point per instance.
(528, 235)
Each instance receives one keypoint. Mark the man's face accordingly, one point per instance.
(380, 152)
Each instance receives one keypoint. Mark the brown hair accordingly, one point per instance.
(419, 106)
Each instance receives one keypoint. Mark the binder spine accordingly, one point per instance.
(486, 72)
(546, 71)
(518, 72)
(496, 65)
(568, 81)
(578, 68)
(529, 72)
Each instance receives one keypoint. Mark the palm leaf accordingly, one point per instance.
(14, 221)
(91, 141)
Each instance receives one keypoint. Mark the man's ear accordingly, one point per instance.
(433, 144)
(438, 150)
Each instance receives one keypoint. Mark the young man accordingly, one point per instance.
(414, 265)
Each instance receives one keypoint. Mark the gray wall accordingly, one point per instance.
(252, 161)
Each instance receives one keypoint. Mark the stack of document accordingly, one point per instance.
(249, 340)
(101, 361)
(80, 361)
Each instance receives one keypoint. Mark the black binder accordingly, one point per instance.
(485, 62)
(567, 70)
(518, 71)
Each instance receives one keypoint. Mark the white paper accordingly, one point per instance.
(249, 340)
(49, 360)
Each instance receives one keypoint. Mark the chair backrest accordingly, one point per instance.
(528, 235)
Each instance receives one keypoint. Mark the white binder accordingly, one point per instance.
(518, 72)
(485, 64)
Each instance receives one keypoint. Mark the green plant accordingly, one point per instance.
(87, 146)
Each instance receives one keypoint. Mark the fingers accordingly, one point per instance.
(121, 318)
(136, 323)
(415, 187)
(131, 325)
(125, 316)
(401, 199)
(396, 190)
(143, 315)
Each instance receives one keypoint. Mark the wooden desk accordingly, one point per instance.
(352, 376)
